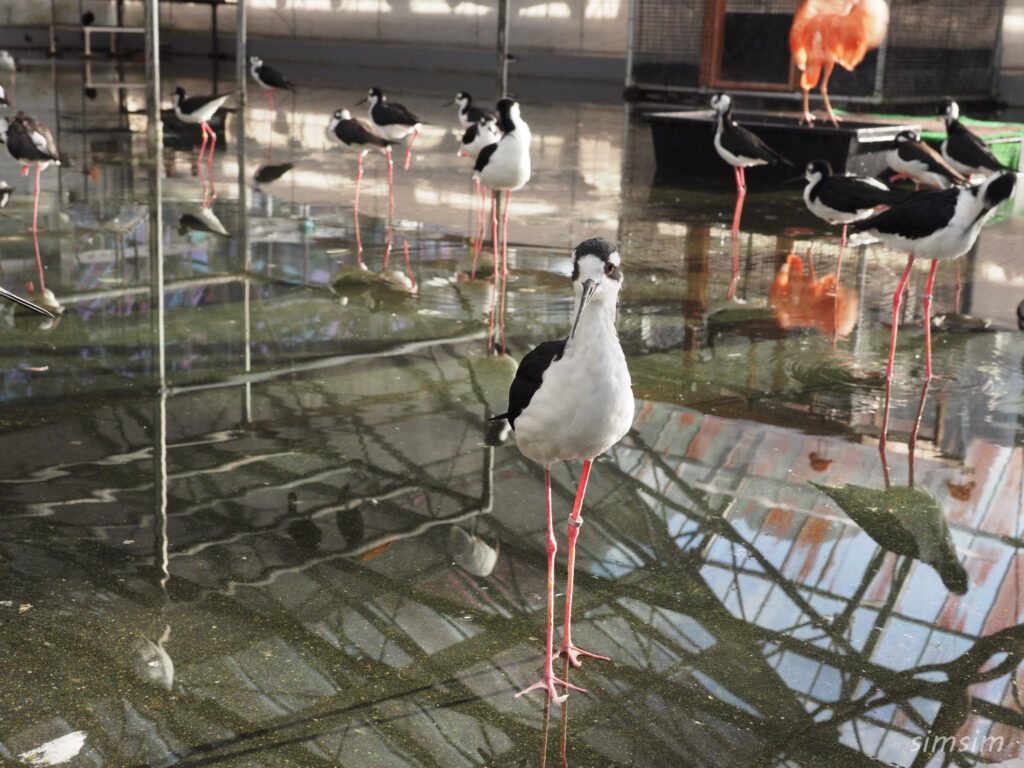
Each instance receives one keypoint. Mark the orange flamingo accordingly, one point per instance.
(826, 32)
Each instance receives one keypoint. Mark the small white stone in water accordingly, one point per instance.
(55, 752)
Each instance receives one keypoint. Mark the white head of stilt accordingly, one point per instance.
(951, 110)
(596, 281)
(721, 103)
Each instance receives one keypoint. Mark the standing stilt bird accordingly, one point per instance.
(739, 148)
(830, 32)
(964, 150)
(353, 133)
(914, 159)
(572, 399)
(845, 198)
(935, 224)
(392, 121)
(198, 110)
(30, 143)
(269, 78)
(480, 134)
(505, 165)
(467, 113)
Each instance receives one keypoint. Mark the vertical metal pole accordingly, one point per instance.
(244, 246)
(241, 42)
(630, 41)
(155, 135)
(504, 17)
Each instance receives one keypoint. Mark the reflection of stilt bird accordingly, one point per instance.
(906, 520)
(572, 399)
(25, 302)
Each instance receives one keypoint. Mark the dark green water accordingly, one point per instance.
(253, 520)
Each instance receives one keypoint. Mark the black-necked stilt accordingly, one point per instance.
(505, 165)
(7, 62)
(25, 303)
(3, 97)
(964, 150)
(355, 134)
(197, 110)
(935, 224)
(912, 158)
(739, 148)
(6, 190)
(392, 121)
(30, 143)
(845, 198)
(468, 114)
(826, 34)
(269, 78)
(480, 134)
(572, 399)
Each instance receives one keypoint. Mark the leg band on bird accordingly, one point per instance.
(571, 651)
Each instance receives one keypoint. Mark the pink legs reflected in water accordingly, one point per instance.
(911, 438)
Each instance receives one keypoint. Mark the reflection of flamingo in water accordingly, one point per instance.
(802, 300)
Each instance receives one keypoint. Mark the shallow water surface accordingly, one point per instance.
(255, 511)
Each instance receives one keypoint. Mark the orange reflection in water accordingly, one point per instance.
(801, 300)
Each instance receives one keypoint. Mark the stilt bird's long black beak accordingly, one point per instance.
(589, 286)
